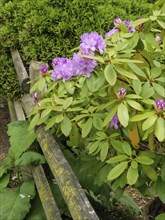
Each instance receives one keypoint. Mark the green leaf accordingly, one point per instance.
(161, 23)
(30, 158)
(46, 112)
(149, 122)
(137, 86)
(20, 137)
(51, 122)
(34, 121)
(147, 91)
(117, 171)
(28, 189)
(123, 116)
(125, 73)
(150, 172)
(110, 115)
(92, 147)
(117, 145)
(69, 86)
(140, 21)
(159, 89)
(87, 127)
(16, 202)
(160, 216)
(66, 126)
(136, 69)
(163, 170)
(110, 75)
(116, 159)
(97, 122)
(104, 150)
(144, 160)
(142, 116)
(126, 148)
(160, 189)
(155, 72)
(160, 129)
(4, 180)
(135, 105)
(67, 102)
(132, 175)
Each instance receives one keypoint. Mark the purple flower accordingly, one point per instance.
(44, 69)
(63, 69)
(115, 122)
(37, 100)
(121, 93)
(159, 105)
(130, 28)
(83, 65)
(92, 42)
(117, 22)
(111, 32)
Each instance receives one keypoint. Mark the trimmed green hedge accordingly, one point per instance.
(44, 29)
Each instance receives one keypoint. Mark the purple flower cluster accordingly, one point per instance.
(92, 42)
(44, 69)
(159, 105)
(65, 68)
(116, 28)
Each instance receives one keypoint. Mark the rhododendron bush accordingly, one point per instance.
(108, 103)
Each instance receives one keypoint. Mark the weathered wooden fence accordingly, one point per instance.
(71, 190)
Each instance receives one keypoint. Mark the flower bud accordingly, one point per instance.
(159, 105)
(121, 93)
(117, 22)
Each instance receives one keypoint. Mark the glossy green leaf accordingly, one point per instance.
(137, 86)
(92, 147)
(136, 69)
(140, 21)
(161, 23)
(67, 102)
(117, 145)
(147, 91)
(123, 115)
(142, 116)
(97, 122)
(66, 126)
(104, 150)
(159, 89)
(132, 175)
(160, 129)
(87, 127)
(155, 72)
(116, 159)
(4, 180)
(135, 105)
(34, 121)
(117, 170)
(125, 73)
(149, 122)
(110, 115)
(127, 148)
(144, 160)
(110, 75)
(150, 172)
(160, 216)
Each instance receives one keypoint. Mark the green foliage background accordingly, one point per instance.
(44, 29)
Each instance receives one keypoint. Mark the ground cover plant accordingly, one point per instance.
(106, 103)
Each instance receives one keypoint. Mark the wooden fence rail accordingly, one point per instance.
(72, 192)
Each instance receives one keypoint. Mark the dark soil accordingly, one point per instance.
(4, 120)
